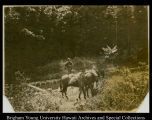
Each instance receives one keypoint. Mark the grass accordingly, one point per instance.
(56, 69)
(123, 89)
(27, 99)
(120, 93)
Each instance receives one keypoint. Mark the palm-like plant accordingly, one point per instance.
(109, 52)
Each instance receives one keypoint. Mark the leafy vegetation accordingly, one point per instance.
(35, 36)
(122, 89)
(120, 92)
(39, 39)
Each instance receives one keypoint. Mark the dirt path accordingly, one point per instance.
(70, 104)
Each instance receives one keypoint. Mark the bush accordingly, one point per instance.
(120, 93)
(122, 89)
(27, 99)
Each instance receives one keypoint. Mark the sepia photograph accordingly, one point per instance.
(75, 58)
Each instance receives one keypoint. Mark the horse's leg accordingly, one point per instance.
(80, 91)
(84, 93)
(61, 89)
(62, 95)
(87, 90)
(66, 95)
(65, 92)
(91, 87)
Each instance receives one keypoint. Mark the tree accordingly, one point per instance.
(35, 36)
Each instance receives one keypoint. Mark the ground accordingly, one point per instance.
(122, 89)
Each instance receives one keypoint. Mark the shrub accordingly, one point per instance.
(120, 93)
(27, 99)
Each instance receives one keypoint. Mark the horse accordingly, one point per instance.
(92, 76)
(75, 80)
(83, 80)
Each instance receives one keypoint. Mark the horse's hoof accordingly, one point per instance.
(75, 103)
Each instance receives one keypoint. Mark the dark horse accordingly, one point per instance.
(83, 80)
(90, 77)
(75, 80)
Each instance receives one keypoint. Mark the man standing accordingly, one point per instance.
(68, 65)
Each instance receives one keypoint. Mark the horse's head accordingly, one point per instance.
(99, 70)
(101, 73)
(98, 75)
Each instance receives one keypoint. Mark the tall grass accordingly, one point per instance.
(27, 99)
(56, 69)
(123, 89)
(120, 93)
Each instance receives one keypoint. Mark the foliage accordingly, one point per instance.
(123, 88)
(35, 36)
(27, 99)
(120, 93)
(56, 69)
